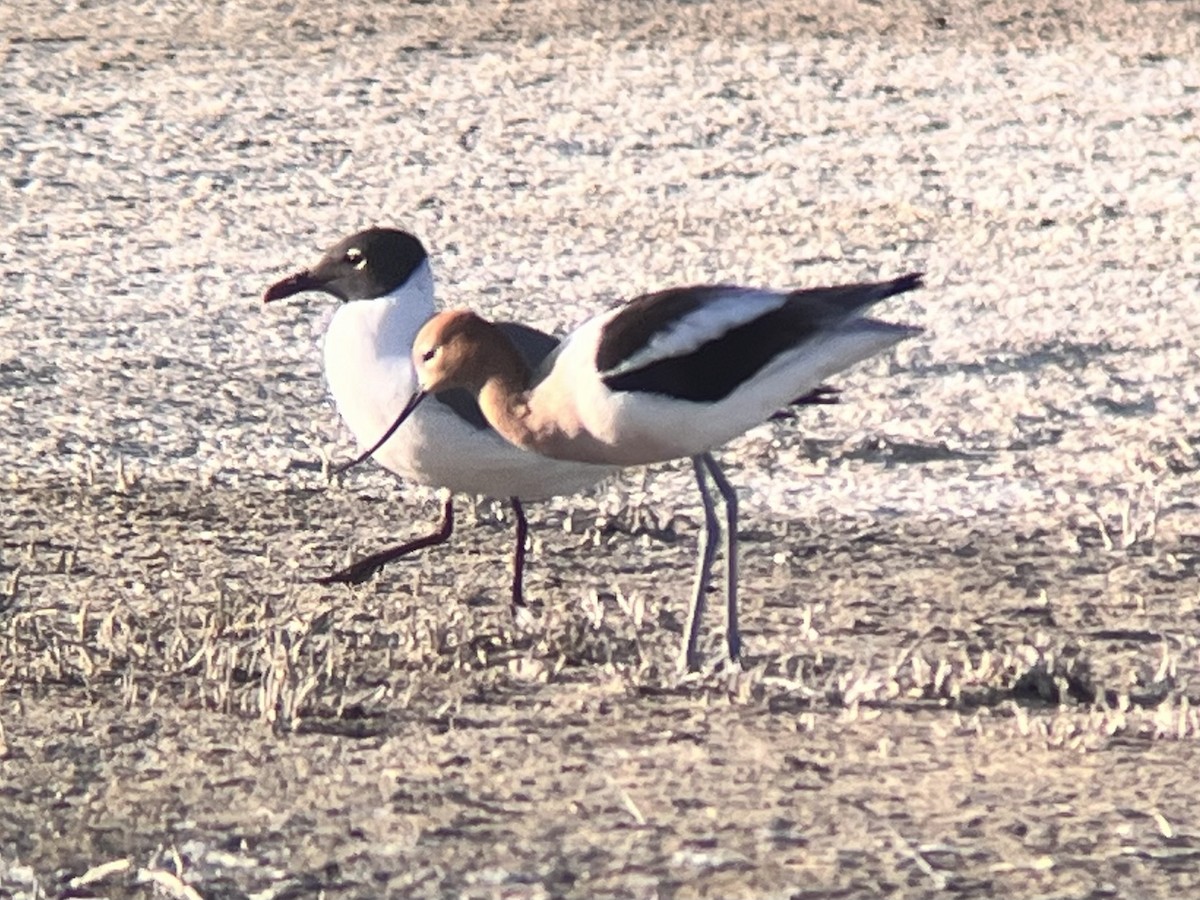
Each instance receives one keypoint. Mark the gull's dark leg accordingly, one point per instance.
(689, 657)
(360, 570)
(733, 637)
(518, 566)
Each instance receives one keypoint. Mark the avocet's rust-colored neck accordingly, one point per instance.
(505, 404)
(458, 348)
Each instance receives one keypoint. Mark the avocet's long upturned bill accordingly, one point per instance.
(669, 375)
(383, 279)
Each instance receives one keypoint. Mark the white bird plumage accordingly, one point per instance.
(368, 366)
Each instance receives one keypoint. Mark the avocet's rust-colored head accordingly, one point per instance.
(451, 350)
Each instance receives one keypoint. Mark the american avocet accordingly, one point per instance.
(669, 375)
(383, 279)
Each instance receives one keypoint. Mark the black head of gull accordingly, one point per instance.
(366, 265)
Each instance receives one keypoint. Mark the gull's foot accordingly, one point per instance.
(355, 573)
(523, 618)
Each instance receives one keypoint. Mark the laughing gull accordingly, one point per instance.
(384, 283)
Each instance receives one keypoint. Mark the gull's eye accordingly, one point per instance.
(429, 354)
(355, 257)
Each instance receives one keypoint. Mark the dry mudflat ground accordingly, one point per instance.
(971, 591)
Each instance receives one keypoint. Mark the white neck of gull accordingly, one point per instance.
(368, 350)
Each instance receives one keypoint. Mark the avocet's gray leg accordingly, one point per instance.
(689, 657)
(733, 636)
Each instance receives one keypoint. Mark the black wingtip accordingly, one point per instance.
(822, 395)
(909, 282)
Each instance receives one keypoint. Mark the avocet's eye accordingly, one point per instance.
(429, 354)
(355, 257)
